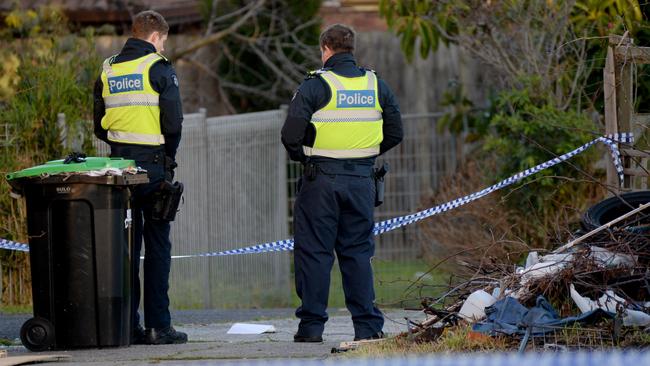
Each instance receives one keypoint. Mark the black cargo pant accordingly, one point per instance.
(334, 213)
(157, 261)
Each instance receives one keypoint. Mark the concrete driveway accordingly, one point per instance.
(209, 341)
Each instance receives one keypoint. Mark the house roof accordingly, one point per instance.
(353, 5)
(115, 11)
(362, 15)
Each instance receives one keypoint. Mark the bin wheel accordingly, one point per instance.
(37, 334)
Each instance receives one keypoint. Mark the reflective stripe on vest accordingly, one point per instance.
(114, 101)
(132, 105)
(350, 124)
(342, 154)
(136, 138)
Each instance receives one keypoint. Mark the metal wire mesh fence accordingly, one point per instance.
(240, 189)
(234, 173)
(568, 338)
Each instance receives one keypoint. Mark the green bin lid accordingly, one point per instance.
(57, 166)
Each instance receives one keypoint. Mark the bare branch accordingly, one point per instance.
(213, 13)
(291, 83)
(216, 37)
(248, 89)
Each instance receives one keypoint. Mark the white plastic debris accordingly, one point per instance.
(244, 328)
(610, 259)
(546, 265)
(541, 269)
(532, 259)
(561, 257)
(474, 307)
(610, 302)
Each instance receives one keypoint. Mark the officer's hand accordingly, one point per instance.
(169, 175)
(170, 165)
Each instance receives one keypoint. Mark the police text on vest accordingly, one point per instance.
(355, 98)
(125, 83)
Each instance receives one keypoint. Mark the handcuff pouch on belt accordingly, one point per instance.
(166, 201)
(379, 184)
(310, 171)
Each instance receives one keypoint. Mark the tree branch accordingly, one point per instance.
(216, 37)
(248, 89)
(292, 84)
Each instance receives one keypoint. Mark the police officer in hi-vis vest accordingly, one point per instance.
(339, 120)
(138, 113)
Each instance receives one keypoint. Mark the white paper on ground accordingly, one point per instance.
(244, 328)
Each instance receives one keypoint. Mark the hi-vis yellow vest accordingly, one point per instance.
(350, 124)
(132, 110)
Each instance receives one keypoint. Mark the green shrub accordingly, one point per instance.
(51, 71)
(529, 129)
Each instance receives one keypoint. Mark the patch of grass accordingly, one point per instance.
(635, 338)
(6, 342)
(15, 309)
(458, 339)
(391, 280)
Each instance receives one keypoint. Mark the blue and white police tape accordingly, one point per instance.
(12, 245)
(392, 224)
(610, 141)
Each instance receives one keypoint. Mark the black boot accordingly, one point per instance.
(299, 338)
(138, 336)
(167, 335)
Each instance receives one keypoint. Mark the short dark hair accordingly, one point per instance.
(147, 22)
(338, 38)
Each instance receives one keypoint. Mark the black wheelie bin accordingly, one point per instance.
(80, 241)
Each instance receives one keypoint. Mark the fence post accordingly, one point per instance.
(283, 199)
(10, 300)
(207, 284)
(611, 125)
(1, 281)
(63, 129)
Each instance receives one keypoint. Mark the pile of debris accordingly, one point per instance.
(590, 293)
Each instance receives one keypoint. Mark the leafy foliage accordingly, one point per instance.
(425, 20)
(547, 59)
(50, 71)
(434, 22)
(528, 130)
(463, 116)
